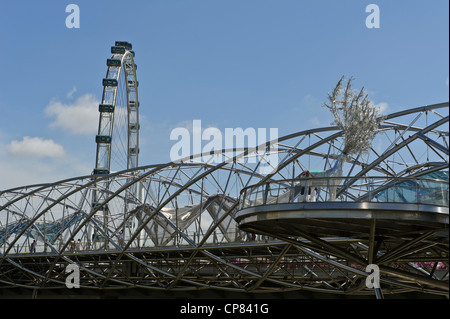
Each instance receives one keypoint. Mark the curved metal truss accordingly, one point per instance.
(178, 231)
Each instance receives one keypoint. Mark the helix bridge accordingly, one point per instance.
(313, 224)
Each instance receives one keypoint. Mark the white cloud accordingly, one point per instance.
(71, 92)
(21, 171)
(382, 107)
(80, 117)
(35, 147)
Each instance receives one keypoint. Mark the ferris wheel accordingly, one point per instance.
(117, 139)
(118, 130)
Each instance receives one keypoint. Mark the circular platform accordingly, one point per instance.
(396, 210)
(344, 219)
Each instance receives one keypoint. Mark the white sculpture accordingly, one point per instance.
(355, 115)
(358, 118)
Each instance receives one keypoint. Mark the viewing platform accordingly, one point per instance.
(332, 206)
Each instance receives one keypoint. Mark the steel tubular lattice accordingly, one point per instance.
(180, 228)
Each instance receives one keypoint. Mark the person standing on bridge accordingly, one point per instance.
(33, 247)
(78, 246)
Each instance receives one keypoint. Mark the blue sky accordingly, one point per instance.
(246, 63)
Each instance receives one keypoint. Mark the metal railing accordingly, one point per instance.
(217, 238)
(348, 189)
